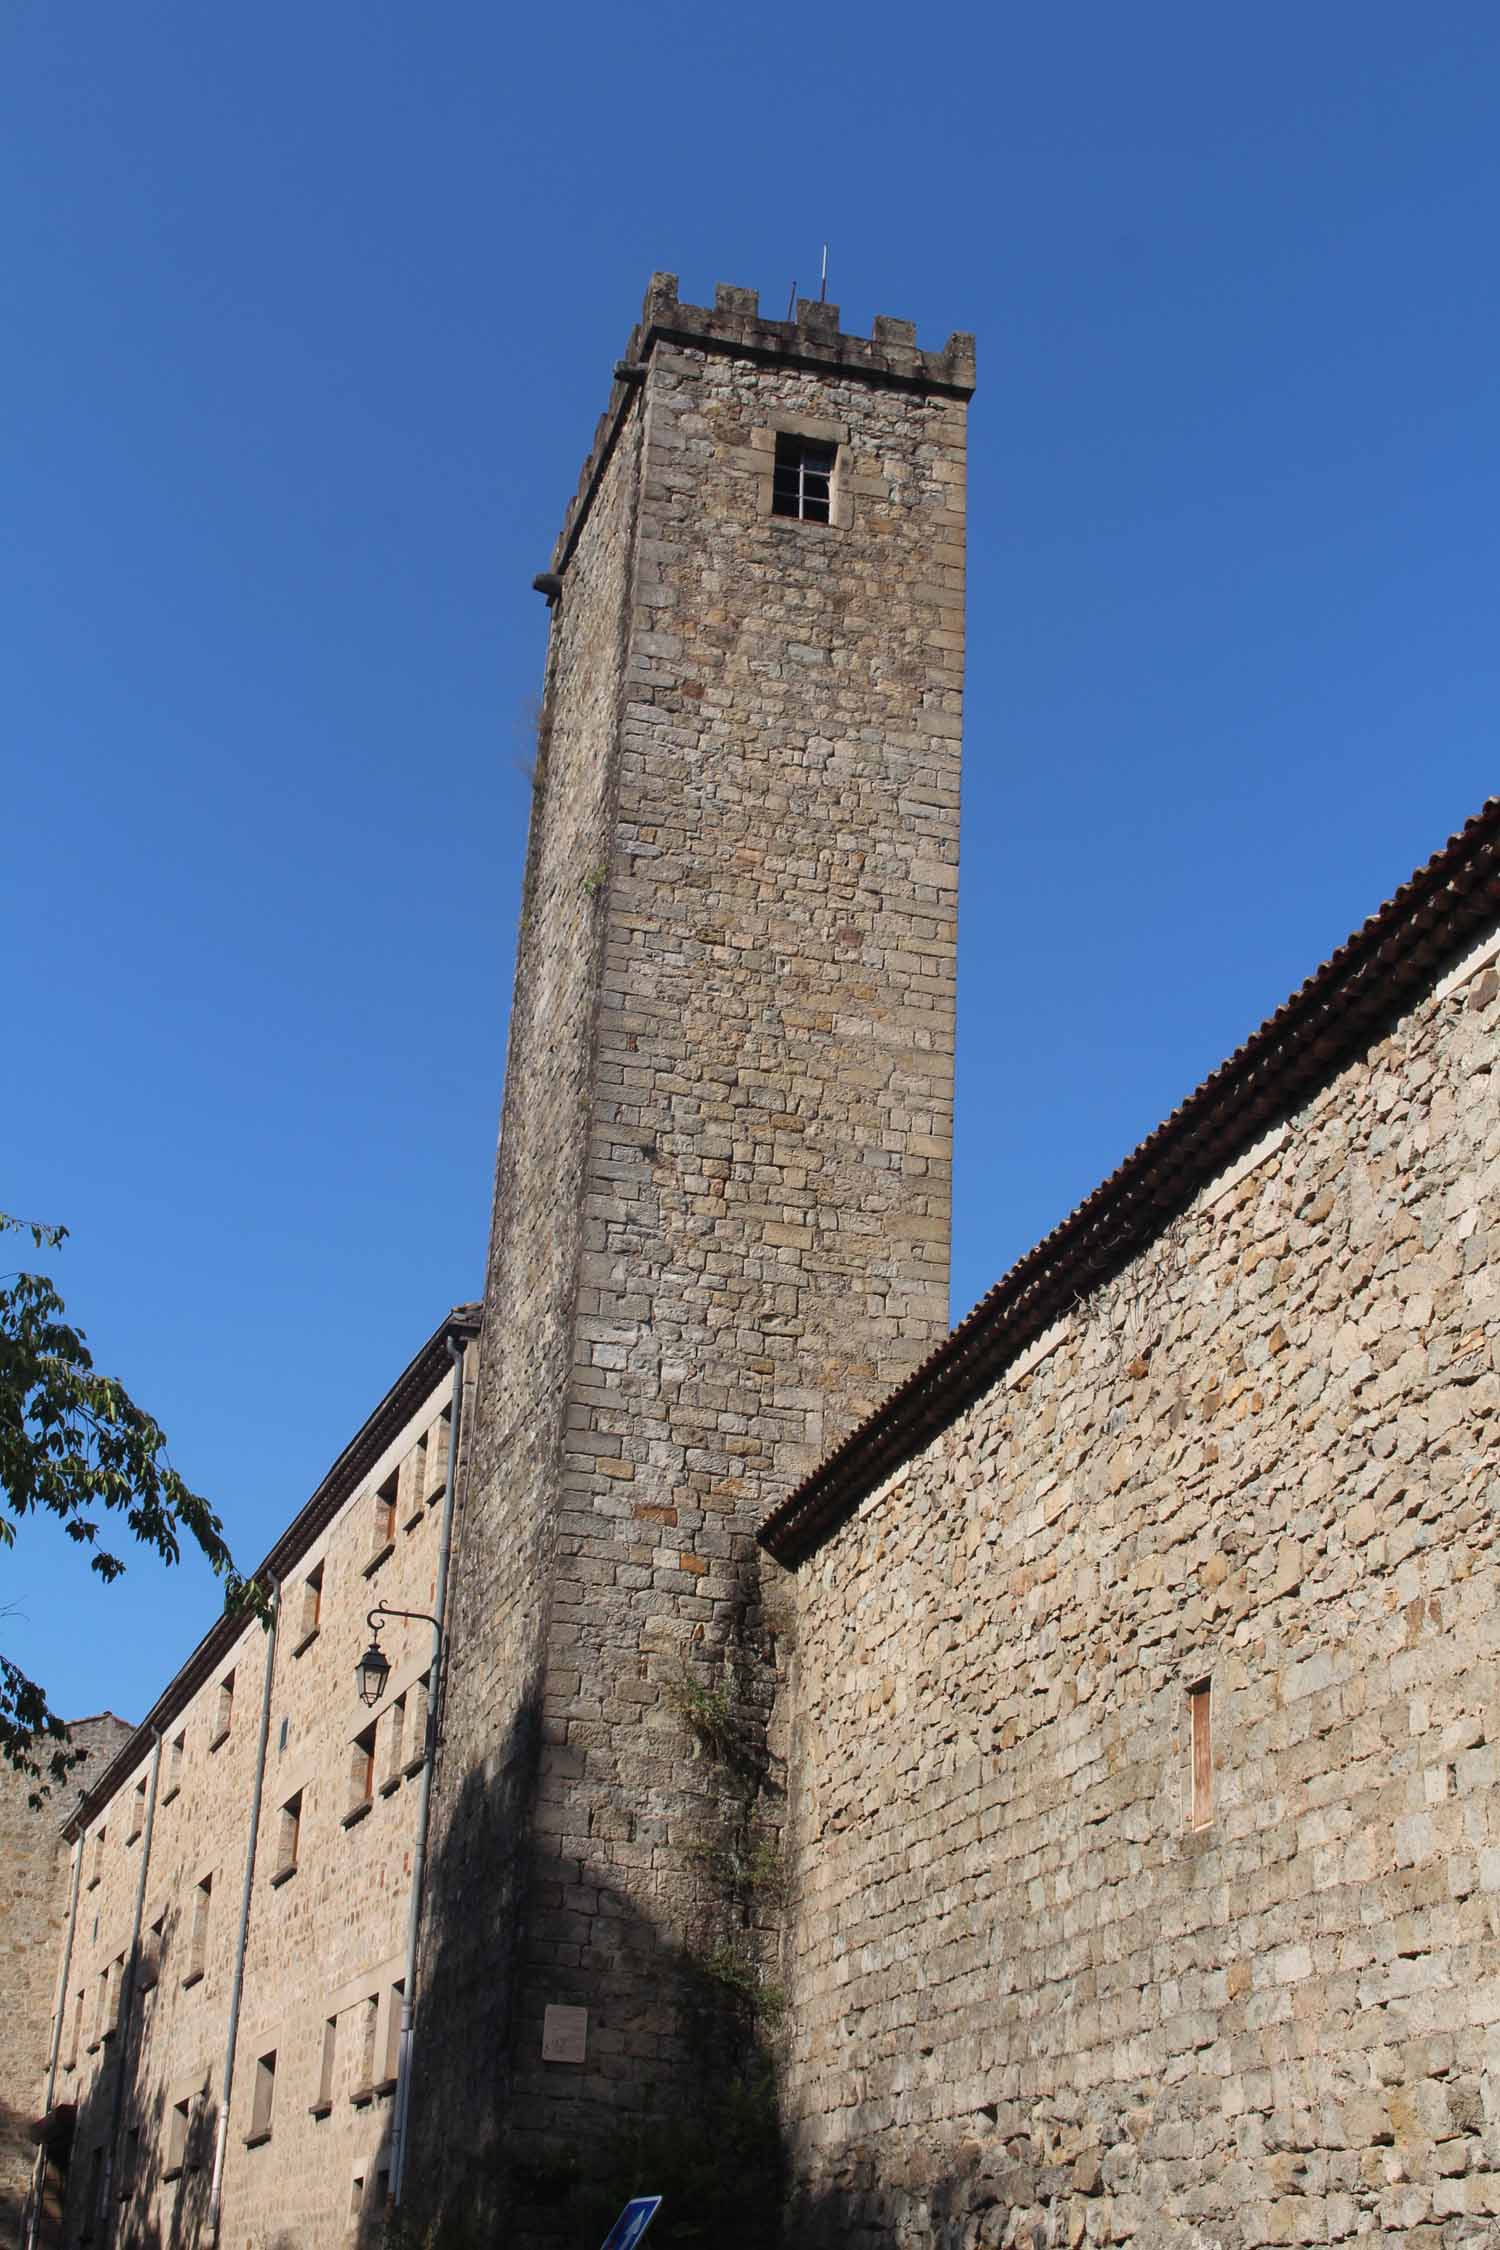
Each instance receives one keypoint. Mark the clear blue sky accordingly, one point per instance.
(309, 315)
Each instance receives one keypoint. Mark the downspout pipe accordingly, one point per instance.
(237, 1985)
(39, 2176)
(402, 2110)
(126, 2001)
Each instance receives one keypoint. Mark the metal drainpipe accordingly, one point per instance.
(402, 2108)
(221, 2137)
(127, 1993)
(39, 2174)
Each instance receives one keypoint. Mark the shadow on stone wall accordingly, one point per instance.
(114, 2213)
(705, 2135)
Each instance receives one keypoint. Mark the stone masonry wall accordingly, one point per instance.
(328, 1909)
(1033, 2002)
(756, 1134)
(35, 1887)
(507, 1528)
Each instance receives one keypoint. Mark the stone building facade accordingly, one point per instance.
(34, 1900)
(1014, 1789)
(231, 1983)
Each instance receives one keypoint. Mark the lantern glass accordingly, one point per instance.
(373, 1671)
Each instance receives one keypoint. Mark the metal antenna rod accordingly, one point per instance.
(791, 303)
(823, 285)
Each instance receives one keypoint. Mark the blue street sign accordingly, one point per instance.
(632, 2222)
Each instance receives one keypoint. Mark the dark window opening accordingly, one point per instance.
(802, 484)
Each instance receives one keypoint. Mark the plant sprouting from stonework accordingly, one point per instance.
(707, 1711)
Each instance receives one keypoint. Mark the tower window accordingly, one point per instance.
(1200, 1727)
(802, 483)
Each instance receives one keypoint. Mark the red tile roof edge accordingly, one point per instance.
(1336, 1012)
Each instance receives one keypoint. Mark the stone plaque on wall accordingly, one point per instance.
(565, 2035)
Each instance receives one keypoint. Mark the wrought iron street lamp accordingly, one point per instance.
(374, 1667)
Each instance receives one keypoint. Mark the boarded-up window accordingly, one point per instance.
(324, 2101)
(361, 1773)
(1200, 1730)
(312, 1605)
(289, 1838)
(263, 2098)
(198, 1938)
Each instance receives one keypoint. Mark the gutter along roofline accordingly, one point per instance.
(431, 1364)
(1355, 995)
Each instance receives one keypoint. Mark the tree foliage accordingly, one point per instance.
(74, 1442)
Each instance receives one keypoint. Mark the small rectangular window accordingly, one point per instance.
(312, 1607)
(361, 1774)
(1200, 1727)
(98, 1866)
(802, 482)
(395, 1736)
(179, 2138)
(289, 1839)
(324, 2102)
(414, 1484)
(392, 2039)
(198, 1940)
(176, 1749)
(262, 2100)
(72, 2061)
(224, 1716)
(418, 1723)
(137, 1811)
(151, 1952)
(91, 2212)
(368, 2030)
(383, 1527)
(130, 2161)
(435, 1468)
(356, 2198)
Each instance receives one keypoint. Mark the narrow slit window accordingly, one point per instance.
(802, 481)
(263, 2099)
(289, 1841)
(395, 1737)
(361, 1774)
(383, 1529)
(324, 2102)
(224, 1717)
(137, 1810)
(435, 1464)
(312, 1604)
(176, 1751)
(367, 2051)
(393, 2035)
(151, 1951)
(1200, 1731)
(179, 2137)
(198, 1942)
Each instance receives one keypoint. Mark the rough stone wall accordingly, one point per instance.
(327, 1932)
(35, 1880)
(1033, 2003)
(756, 1131)
(507, 1529)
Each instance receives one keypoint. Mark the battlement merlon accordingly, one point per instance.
(733, 324)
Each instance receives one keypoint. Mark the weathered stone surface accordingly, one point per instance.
(721, 1219)
(35, 1895)
(1264, 1457)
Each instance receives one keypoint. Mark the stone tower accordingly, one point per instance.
(722, 1204)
